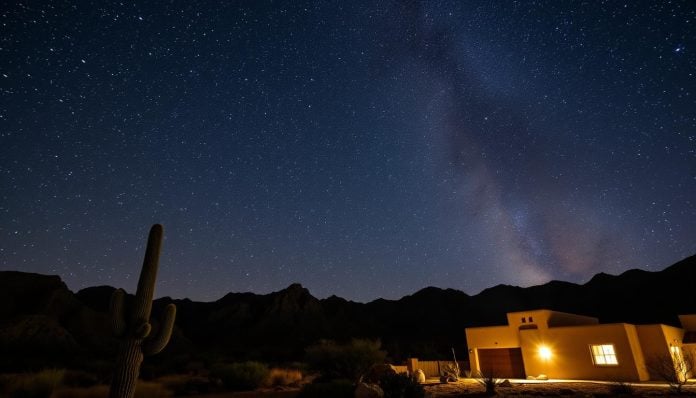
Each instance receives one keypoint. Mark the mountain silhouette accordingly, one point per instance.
(42, 322)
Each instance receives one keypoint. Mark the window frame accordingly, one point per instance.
(604, 355)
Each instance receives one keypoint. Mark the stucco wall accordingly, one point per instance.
(656, 340)
(547, 319)
(570, 345)
(539, 318)
(489, 337)
(571, 356)
(492, 337)
(557, 319)
(637, 350)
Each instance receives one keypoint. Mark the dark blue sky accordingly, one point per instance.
(364, 149)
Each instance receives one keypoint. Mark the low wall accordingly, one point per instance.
(434, 368)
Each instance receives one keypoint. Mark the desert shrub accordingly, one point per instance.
(36, 385)
(284, 377)
(241, 376)
(674, 368)
(337, 388)
(620, 388)
(400, 386)
(488, 381)
(344, 361)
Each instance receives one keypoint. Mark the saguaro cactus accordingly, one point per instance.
(133, 328)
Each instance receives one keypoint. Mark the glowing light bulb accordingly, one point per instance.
(544, 352)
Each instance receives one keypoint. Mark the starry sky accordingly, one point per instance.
(362, 148)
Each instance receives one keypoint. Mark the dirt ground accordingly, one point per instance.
(256, 394)
(520, 388)
(470, 387)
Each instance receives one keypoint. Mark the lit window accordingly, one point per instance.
(604, 354)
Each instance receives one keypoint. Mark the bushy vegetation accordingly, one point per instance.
(83, 384)
(344, 361)
(337, 388)
(488, 381)
(284, 377)
(400, 386)
(59, 383)
(241, 376)
(674, 368)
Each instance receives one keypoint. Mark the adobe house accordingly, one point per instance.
(568, 346)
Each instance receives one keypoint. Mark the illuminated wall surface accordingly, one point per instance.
(567, 346)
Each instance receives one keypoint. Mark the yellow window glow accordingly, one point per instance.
(604, 354)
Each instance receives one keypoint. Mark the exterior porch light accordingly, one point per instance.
(545, 352)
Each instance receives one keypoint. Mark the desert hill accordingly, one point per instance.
(43, 323)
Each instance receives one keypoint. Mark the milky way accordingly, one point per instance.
(363, 149)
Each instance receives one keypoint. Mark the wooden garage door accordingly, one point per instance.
(502, 362)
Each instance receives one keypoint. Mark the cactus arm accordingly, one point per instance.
(134, 328)
(148, 275)
(118, 321)
(157, 343)
(143, 330)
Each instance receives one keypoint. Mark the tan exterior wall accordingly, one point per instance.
(673, 336)
(653, 340)
(637, 351)
(565, 319)
(656, 340)
(435, 368)
(571, 354)
(489, 337)
(654, 344)
(546, 318)
(492, 337)
(570, 344)
(539, 318)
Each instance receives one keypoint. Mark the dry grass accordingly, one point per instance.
(282, 377)
(84, 392)
(254, 394)
(282, 383)
(144, 389)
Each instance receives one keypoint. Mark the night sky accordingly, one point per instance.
(363, 149)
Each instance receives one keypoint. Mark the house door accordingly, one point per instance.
(501, 362)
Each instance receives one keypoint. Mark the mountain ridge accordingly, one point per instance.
(280, 325)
